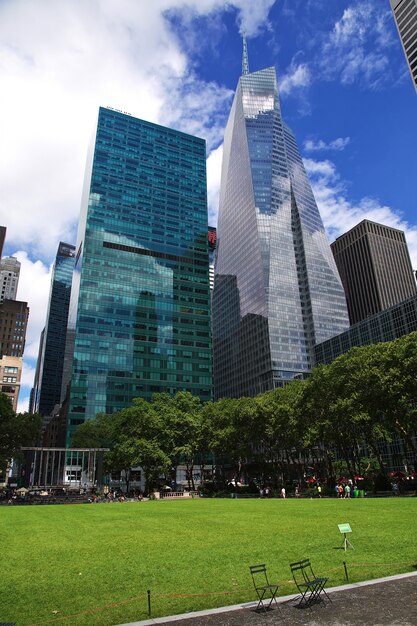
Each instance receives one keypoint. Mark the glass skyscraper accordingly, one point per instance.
(277, 291)
(48, 379)
(140, 303)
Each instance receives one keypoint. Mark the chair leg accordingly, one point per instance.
(263, 602)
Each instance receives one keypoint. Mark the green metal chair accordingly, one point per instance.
(308, 584)
(265, 590)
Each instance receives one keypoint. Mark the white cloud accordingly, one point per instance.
(298, 76)
(340, 214)
(336, 144)
(253, 15)
(34, 287)
(356, 50)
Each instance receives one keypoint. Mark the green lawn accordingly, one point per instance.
(98, 560)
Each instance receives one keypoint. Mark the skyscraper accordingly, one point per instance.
(277, 291)
(405, 15)
(139, 318)
(375, 268)
(48, 378)
(9, 278)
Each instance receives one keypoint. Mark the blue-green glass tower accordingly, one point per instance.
(140, 305)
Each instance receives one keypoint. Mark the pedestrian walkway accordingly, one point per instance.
(383, 602)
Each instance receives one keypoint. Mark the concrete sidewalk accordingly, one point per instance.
(382, 602)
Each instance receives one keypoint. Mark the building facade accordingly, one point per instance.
(375, 268)
(387, 325)
(277, 291)
(14, 316)
(10, 375)
(139, 319)
(48, 376)
(405, 15)
(9, 278)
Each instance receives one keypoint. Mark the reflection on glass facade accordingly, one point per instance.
(48, 379)
(387, 325)
(140, 303)
(212, 235)
(277, 291)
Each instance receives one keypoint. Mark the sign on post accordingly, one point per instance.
(345, 528)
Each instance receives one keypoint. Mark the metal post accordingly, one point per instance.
(346, 572)
(149, 602)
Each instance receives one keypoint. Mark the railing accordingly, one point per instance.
(177, 494)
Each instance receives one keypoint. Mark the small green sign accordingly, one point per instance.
(345, 528)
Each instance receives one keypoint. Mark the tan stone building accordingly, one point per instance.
(10, 376)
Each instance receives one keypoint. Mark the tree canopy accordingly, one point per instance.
(342, 412)
(16, 430)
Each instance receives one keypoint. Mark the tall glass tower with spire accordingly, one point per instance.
(277, 291)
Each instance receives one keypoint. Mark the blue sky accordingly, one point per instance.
(345, 90)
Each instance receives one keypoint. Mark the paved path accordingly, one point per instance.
(383, 602)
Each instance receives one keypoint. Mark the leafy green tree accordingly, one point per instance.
(399, 388)
(344, 407)
(135, 436)
(281, 439)
(96, 433)
(181, 436)
(16, 430)
(231, 427)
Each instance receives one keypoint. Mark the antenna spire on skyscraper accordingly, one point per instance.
(245, 61)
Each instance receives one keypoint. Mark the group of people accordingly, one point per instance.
(266, 492)
(344, 491)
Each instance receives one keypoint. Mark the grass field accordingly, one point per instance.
(93, 564)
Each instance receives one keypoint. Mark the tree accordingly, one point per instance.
(16, 430)
(181, 416)
(135, 436)
(232, 427)
(399, 388)
(281, 439)
(96, 433)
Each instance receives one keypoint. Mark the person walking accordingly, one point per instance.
(283, 493)
(347, 491)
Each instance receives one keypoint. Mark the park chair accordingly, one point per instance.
(308, 584)
(265, 590)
